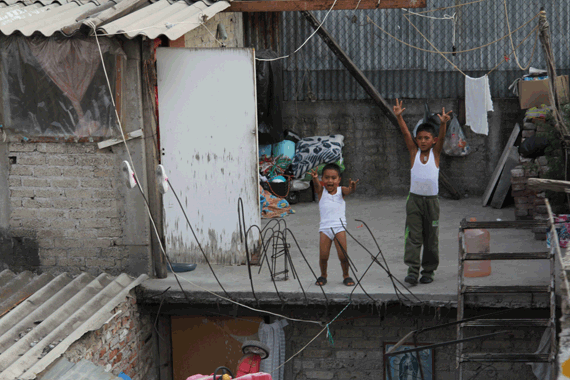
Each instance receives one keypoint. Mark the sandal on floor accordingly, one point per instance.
(321, 281)
(348, 281)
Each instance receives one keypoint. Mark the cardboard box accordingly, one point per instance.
(533, 93)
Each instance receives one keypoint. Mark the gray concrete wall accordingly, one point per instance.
(359, 338)
(375, 152)
(68, 207)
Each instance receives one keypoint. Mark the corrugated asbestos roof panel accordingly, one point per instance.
(128, 17)
(172, 20)
(83, 370)
(45, 315)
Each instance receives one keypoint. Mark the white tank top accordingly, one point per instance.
(332, 209)
(424, 177)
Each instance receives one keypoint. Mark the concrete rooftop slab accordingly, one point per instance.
(385, 216)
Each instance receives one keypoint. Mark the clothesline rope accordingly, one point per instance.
(449, 52)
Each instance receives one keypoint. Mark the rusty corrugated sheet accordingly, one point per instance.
(262, 30)
(46, 315)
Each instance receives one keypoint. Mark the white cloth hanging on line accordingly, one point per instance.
(477, 103)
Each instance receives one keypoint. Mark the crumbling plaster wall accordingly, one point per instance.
(64, 205)
(203, 36)
(374, 149)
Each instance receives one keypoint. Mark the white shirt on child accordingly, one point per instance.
(332, 208)
(424, 177)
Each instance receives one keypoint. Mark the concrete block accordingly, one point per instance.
(517, 172)
(35, 182)
(96, 183)
(519, 180)
(70, 183)
(81, 148)
(351, 355)
(528, 133)
(21, 170)
(21, 147)
(15, 203)
(518, 186)
(311, 353)
(52, 148)
(22, 213)
(529, 126)
(51, 213)
(60, 160)
(66, 203)
(22, 193)
(48, 193)
(79, 194)
(96, 203)
(522, 212)
(323, 375)
(542, 160)
(521, 200)
(47, 171)
(97, 243)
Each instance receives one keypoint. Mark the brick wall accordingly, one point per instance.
(124, 344)
(359, 339)
(65, 206)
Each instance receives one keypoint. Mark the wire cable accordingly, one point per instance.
(304, 43)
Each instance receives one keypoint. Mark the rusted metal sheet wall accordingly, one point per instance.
(208, 133)
(398, 70)
(262, 30)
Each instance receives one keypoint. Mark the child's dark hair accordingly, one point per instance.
(334, 167)
(426, 127)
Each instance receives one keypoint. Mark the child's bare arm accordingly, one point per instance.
(398, 111)
(318, 187)
(351, 187)
(443, 120)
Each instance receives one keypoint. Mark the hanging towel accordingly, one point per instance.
(477, 103)
(274, 337)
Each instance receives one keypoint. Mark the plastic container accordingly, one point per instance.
(477, 241)
(265, 150)
(285, 147)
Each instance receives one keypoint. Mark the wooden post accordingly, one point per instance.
(152, 155)
(543, 27)
(367, 86)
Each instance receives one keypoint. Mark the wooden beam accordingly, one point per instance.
(319, 5)
(541, 184)
(352, 68)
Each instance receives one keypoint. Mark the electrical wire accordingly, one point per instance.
(304, 43)
(152, 218)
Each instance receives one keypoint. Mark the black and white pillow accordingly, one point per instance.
(312, 151)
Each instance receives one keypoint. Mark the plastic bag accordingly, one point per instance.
(455, 143)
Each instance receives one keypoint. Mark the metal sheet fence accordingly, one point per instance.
(418, 70)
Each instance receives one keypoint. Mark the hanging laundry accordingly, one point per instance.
(274, 337)
(477, 103)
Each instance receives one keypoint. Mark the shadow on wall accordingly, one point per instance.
(18, 253)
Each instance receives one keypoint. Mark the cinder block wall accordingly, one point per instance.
(358, 346)
(67, 209)
(124, 344)
(374, 149)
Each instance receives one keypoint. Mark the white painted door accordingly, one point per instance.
(208, 137)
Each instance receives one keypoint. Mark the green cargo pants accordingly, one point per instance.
(422, 228)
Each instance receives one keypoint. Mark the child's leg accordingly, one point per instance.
(340, 244)
(430, 259)
(324, 252)
(413, 235)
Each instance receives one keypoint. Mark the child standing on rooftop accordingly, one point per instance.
(422, 206)
(332, 210)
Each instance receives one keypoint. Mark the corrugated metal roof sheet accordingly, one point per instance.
(129, 17)
(45, 315)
